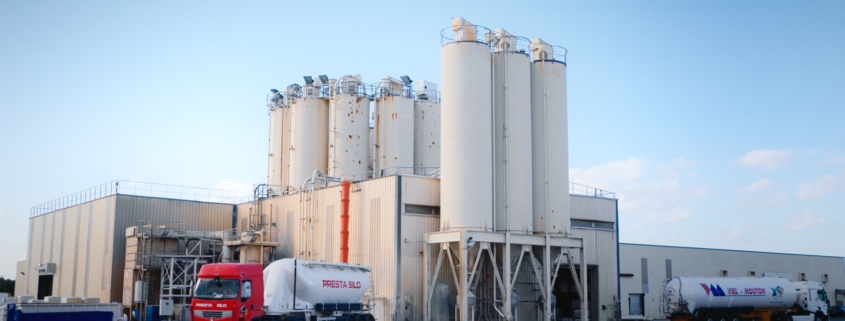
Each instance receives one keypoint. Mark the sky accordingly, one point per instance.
(717, 124)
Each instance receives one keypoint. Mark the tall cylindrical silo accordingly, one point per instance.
(285, 150)
(466, 195)
(426, 128)
(549, 140)
(394, 126)
(349, 125)
(512, 133)
(274, 156)
(309, 136)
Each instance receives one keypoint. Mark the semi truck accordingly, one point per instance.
(744, 299)
(287, 289)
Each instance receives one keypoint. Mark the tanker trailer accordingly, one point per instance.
(288, 289)
(744, 299)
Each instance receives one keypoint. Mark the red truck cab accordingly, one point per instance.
(228, 292)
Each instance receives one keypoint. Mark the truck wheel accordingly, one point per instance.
(710, 317)
(819, 317)
(735, 317)
(722, 317)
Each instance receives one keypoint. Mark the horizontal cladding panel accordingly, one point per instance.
(592, 208)
(187, 215)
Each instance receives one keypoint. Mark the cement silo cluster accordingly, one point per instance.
(504, 165)
(345, 127)
(504, 133)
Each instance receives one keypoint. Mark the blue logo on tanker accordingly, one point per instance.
(718, 291)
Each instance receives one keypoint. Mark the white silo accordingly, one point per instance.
(349, 125)
(309, 134)
(512, 133)
(426, 127)
(275, 161)
(394, 126)
(549, 136)
(466, 195)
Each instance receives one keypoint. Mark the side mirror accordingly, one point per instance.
(246, 290)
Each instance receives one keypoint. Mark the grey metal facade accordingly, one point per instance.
(87, 241)
(645, 269)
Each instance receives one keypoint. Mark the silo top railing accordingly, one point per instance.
(479, 35)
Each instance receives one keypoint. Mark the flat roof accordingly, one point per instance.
(729, 250)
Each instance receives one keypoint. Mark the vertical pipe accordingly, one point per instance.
(583, 261)
(464, 303)
(344, 222)
(547, 278)
(507, 272)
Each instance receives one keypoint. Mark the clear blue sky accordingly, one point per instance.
(718, 123)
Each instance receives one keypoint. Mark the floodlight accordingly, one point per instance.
(323, 79)
(274, 91)
(308, 80)
(407, 80)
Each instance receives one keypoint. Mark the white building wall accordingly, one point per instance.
(683, 261)
(600, 245)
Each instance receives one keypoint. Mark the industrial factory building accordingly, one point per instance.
(458, 199)
(645, 269)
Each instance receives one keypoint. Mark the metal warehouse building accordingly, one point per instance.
(644, 270)
(77, 246)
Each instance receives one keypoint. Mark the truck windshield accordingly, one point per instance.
(216, 289)
(822, 295)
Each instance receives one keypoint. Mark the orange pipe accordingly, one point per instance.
(344, 222)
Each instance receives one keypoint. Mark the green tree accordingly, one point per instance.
(7, 286)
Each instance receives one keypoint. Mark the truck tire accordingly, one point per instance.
(735, 317)
(722, 317)
(819, 317)
(709, 317)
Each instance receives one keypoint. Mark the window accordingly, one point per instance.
(822, 296)
(824, 278)
(723, 273)
(422, 209)
(217, 289)
(803, 276)
(635, 304)
(592, 224)
(752, 274)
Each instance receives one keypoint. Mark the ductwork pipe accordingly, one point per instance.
(344, 221)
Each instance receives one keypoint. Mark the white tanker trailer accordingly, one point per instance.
(743, 299)
(288, 289)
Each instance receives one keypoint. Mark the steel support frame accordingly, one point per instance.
(442, 245)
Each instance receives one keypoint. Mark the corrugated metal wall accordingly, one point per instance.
(186, 215)
(592, 208)
(600, 245)
(79, 240)
(708, 263)
(376, 231)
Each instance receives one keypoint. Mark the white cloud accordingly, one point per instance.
(654, 195)
(608, 175)
(834, 160)
(240, 188)
(817, 188)
(729, 235)
(2, 213)
(760, 185)
(632, 227)
(803, 220)
(767, 159)
(767, 201)
(678, 168)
